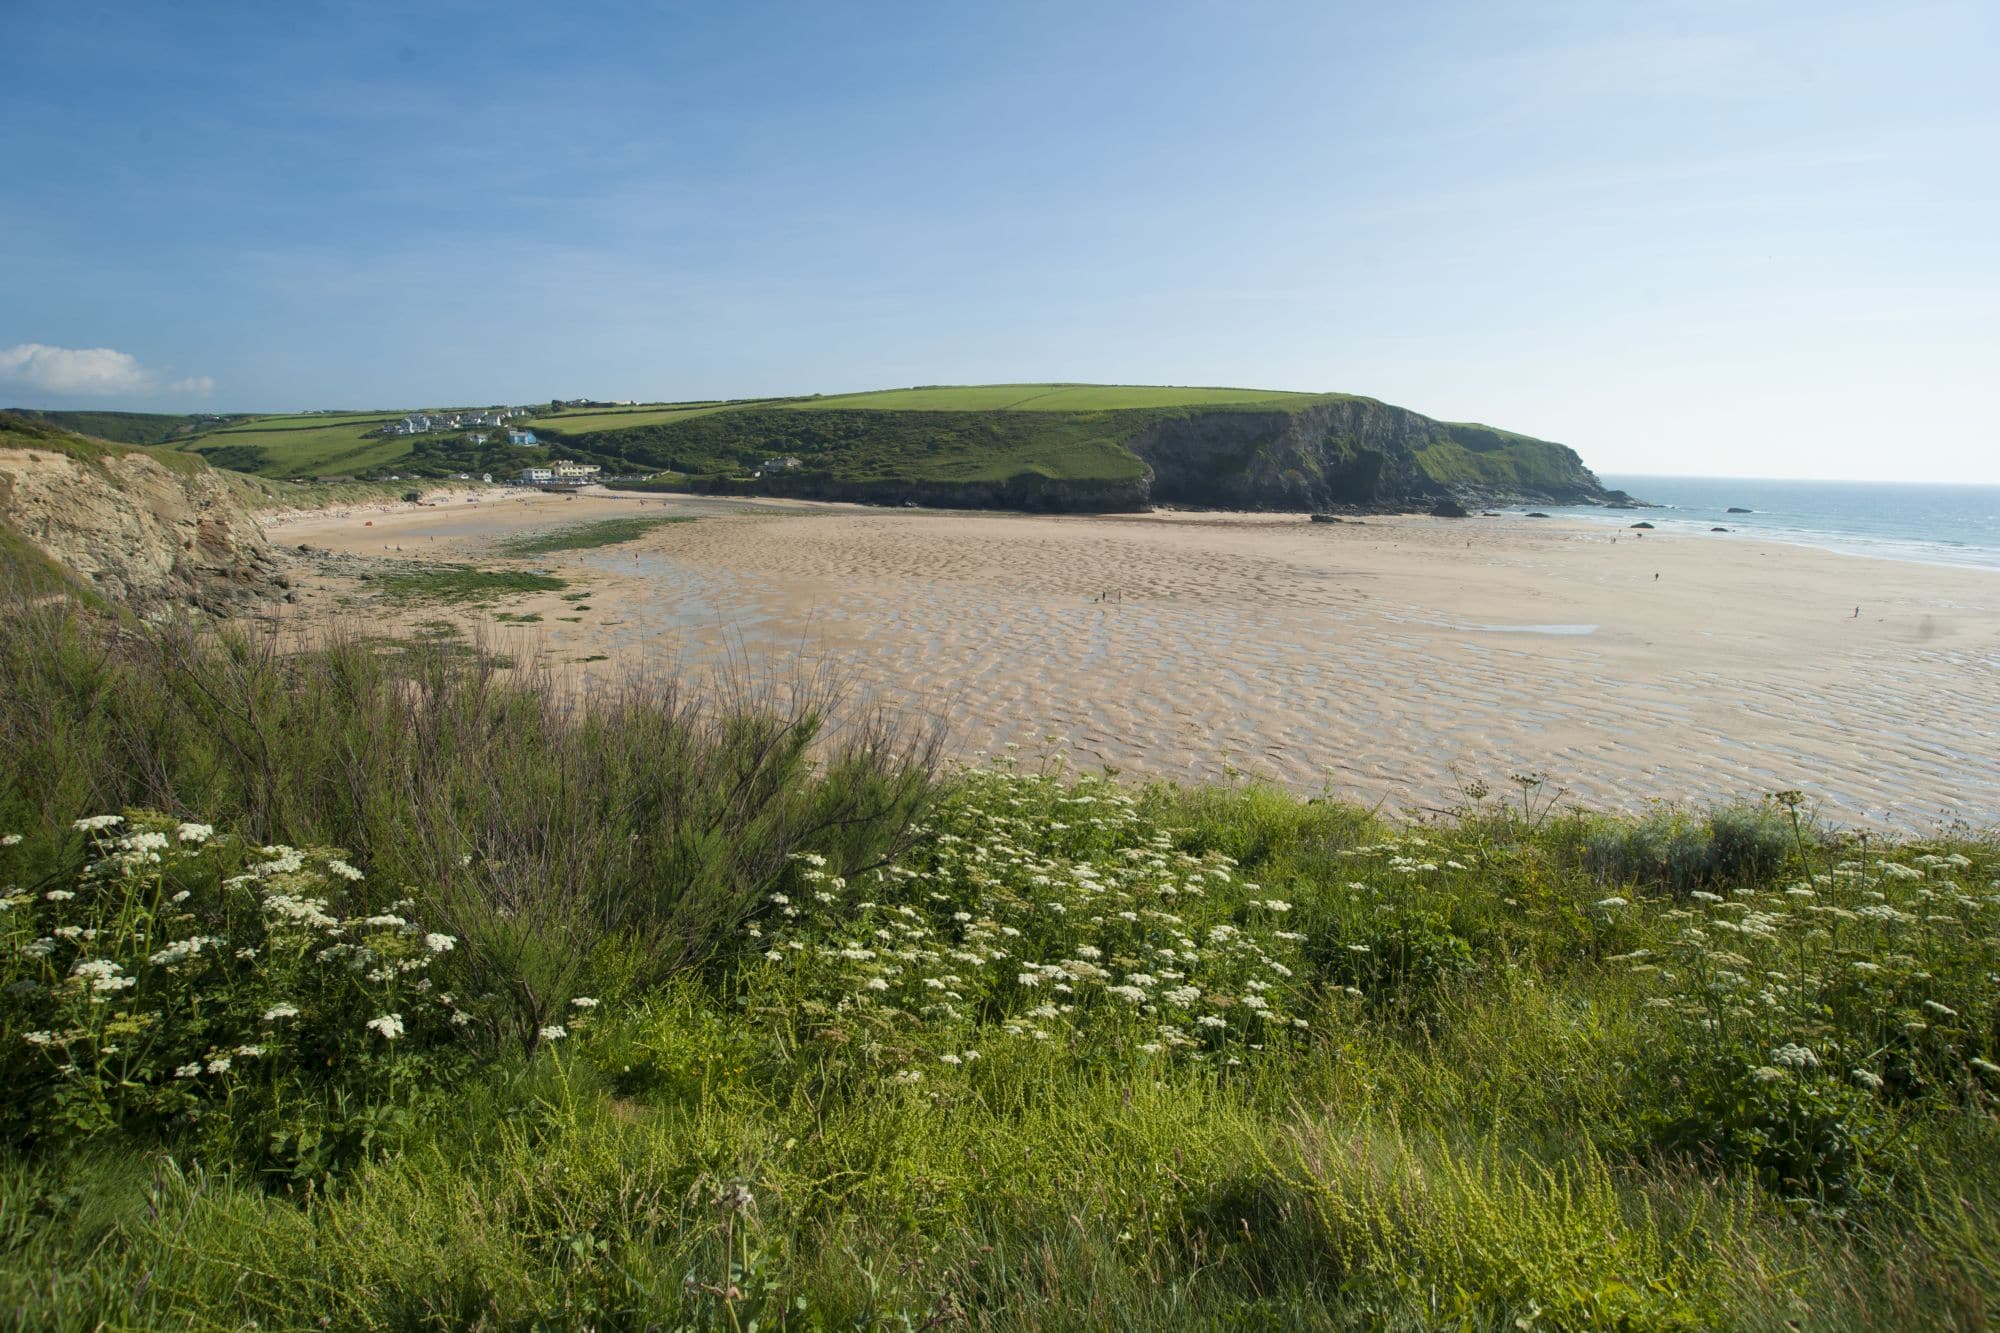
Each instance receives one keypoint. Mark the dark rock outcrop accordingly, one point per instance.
(1356, 453)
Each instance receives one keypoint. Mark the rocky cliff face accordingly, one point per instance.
(1353, 452)
(144, 531)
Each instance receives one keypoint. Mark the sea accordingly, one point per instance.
(1928, 524)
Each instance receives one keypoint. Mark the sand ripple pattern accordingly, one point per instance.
(1364, 659)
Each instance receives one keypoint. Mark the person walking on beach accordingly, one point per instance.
(1857, 613)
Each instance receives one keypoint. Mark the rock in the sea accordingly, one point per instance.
(1718, 529)
(1325, 518)
(1642, 525)
(1736, 509)
(1449, 508)
(1536, 513)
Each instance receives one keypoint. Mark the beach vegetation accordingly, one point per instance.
(351, 988)
(414, 583)
(589, 536)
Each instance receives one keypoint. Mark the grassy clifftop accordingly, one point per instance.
(1055, 446)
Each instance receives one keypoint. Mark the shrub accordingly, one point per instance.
(169, 973)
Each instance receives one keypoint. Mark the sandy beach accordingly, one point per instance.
(1376, 659)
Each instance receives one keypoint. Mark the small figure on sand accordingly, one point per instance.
(1857, 613)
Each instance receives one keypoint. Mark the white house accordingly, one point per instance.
(566, 470)
(537, 476)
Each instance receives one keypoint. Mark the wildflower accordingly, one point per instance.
(584, 1002)
(552, 1032)
(1028, 979)
(1766, 1074)
(1611, 902)
(103, 975)
(10, 840)
(1211, 1021)
(1867, 1078)
(1795, 1057)
(909, 1076)
(389, 1025)
(38, 1038)
(385, 921)
(278, 1011)
(58, 895)
(949, 1059)
(218, 1064)
(1940, 1010)
(347, 872)
(192, 1070)
(249, 1052)
(95, 823)
(1984, 1066)
(876, 983)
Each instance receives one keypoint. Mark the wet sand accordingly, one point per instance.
(1375, 659)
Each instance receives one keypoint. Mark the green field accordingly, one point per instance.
(126, 427)
(1048, 398)
(303, 447)
(623, 418)
(1037, 446)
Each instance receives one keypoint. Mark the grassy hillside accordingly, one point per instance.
(388, 993)
(126, 427)
(863, 446)
(304, 446)
(41, 433)
(1049, 398)
(1032, 445)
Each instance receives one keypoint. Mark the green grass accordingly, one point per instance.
(18, 432)
(1033, 445)
(755, 1039)
(588, 536)
(1048, 398)
(589, 420)
(457, 584)
(123, 427)
(309, 450)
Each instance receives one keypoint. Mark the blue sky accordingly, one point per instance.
(1734, 238)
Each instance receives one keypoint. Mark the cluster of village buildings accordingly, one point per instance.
(560, 472)
(423, 423)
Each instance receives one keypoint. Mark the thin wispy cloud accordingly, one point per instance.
(101, 372)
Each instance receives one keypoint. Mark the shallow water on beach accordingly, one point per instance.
(1929, 524)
